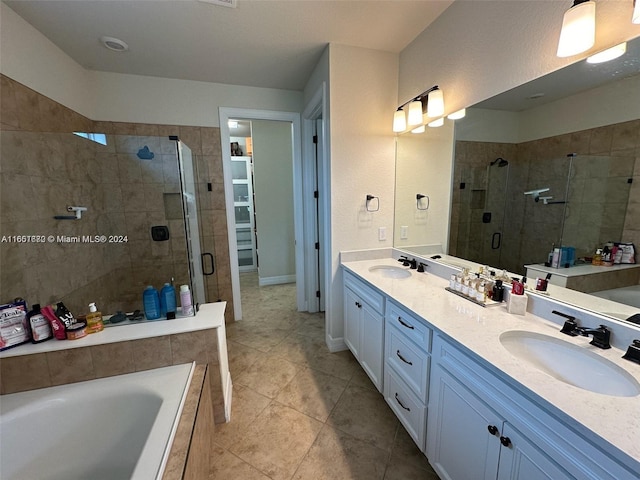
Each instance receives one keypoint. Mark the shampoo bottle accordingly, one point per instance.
(168, 301)
(38, 325)
(94, 319)
(151, 303)
(186, 302)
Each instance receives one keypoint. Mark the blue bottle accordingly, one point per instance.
(151, 302)
(167, 300)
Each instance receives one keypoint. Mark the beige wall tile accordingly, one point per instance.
(25, 372)
(69, 366)
(151, 353)
(112, 359)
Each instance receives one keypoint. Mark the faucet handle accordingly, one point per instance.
(421, 267)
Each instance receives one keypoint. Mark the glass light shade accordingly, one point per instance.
(435, 104)
(457, 115)
(399, 121)
(578, 29)
(635, 17)
(419, 129)
(608, 54)
(437, 123)
(415, 113)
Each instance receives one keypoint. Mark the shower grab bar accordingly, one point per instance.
(204, 270)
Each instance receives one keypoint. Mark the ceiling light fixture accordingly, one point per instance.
(608, 54)
(635, 17)
(578, 32)
(436, 123)
(457, 115)
(417, 107)
(114, 44)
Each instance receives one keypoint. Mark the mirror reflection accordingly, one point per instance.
(547, 165)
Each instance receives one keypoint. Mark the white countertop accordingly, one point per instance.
(614, 419)
(210, 315)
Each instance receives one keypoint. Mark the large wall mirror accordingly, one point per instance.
(550, 163)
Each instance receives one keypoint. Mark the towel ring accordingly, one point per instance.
(368, 202)
(419, 197)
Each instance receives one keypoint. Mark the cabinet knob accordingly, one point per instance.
(505, 441)
(493, 430)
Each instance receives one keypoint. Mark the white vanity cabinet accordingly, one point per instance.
(407, 361)
(481, 428)
(364, 326)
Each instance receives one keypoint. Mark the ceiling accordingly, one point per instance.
(261, 43)
(572, 79)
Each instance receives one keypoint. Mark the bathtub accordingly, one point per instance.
(627, 295)
(111, 428)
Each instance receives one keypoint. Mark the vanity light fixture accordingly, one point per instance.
(436, 123)
(428, 101)
(435, 103)
(608, 54)
(399, 121)
(419, 129)
(578, 28)
(457, 115)
(635, 17)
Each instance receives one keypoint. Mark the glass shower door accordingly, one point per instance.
(189, 205)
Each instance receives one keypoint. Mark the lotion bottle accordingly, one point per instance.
(94, 319)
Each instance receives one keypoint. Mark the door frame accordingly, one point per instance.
(225, 114)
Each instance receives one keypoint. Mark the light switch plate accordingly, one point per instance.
(382, 233)
(404, 232)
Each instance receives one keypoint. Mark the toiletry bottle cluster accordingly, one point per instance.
(480, 287)
(614, 253)
(163, 304)
(19, 325)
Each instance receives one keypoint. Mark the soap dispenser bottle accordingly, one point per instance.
(94, 319)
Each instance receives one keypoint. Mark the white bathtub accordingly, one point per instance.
(112, 428)
(627, 295)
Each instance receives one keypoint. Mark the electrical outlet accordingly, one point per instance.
(404, 232)
(382, 233)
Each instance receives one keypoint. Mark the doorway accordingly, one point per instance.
(270, 220)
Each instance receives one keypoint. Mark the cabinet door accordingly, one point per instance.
(460, 445)
(352, 315)
(372, 344)
(522, 460)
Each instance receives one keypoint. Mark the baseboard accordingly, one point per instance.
(263, 281)
(335, 344)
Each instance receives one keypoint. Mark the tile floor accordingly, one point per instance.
(300, 412)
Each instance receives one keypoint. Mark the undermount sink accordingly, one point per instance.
(571, 363)
(390, 271)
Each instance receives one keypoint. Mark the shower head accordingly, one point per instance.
(500, 161)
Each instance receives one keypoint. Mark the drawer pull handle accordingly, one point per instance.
(505, 441)
(403, 359)
(358, 304)
(400, 403)
(492, 429)
(405, 324)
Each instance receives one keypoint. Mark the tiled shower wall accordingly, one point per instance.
(529, 225)
(28, 112)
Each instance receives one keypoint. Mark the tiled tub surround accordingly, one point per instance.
(139, 415)
(126, 349)
(24, 110)
(611, 424)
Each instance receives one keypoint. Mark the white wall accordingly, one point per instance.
(273, 183)
(30, 58)
(605, 105)
(477, 49)
(363, 99)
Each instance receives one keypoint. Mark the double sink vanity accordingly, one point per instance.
(487, 394)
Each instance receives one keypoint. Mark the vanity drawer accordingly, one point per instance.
(410, 362)
(374, 298)
(410, 326)
(411, 412)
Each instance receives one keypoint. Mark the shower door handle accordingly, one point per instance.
(496, 240)
(202, 262)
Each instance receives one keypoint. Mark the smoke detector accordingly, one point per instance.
(114, 44)
(222, 3)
